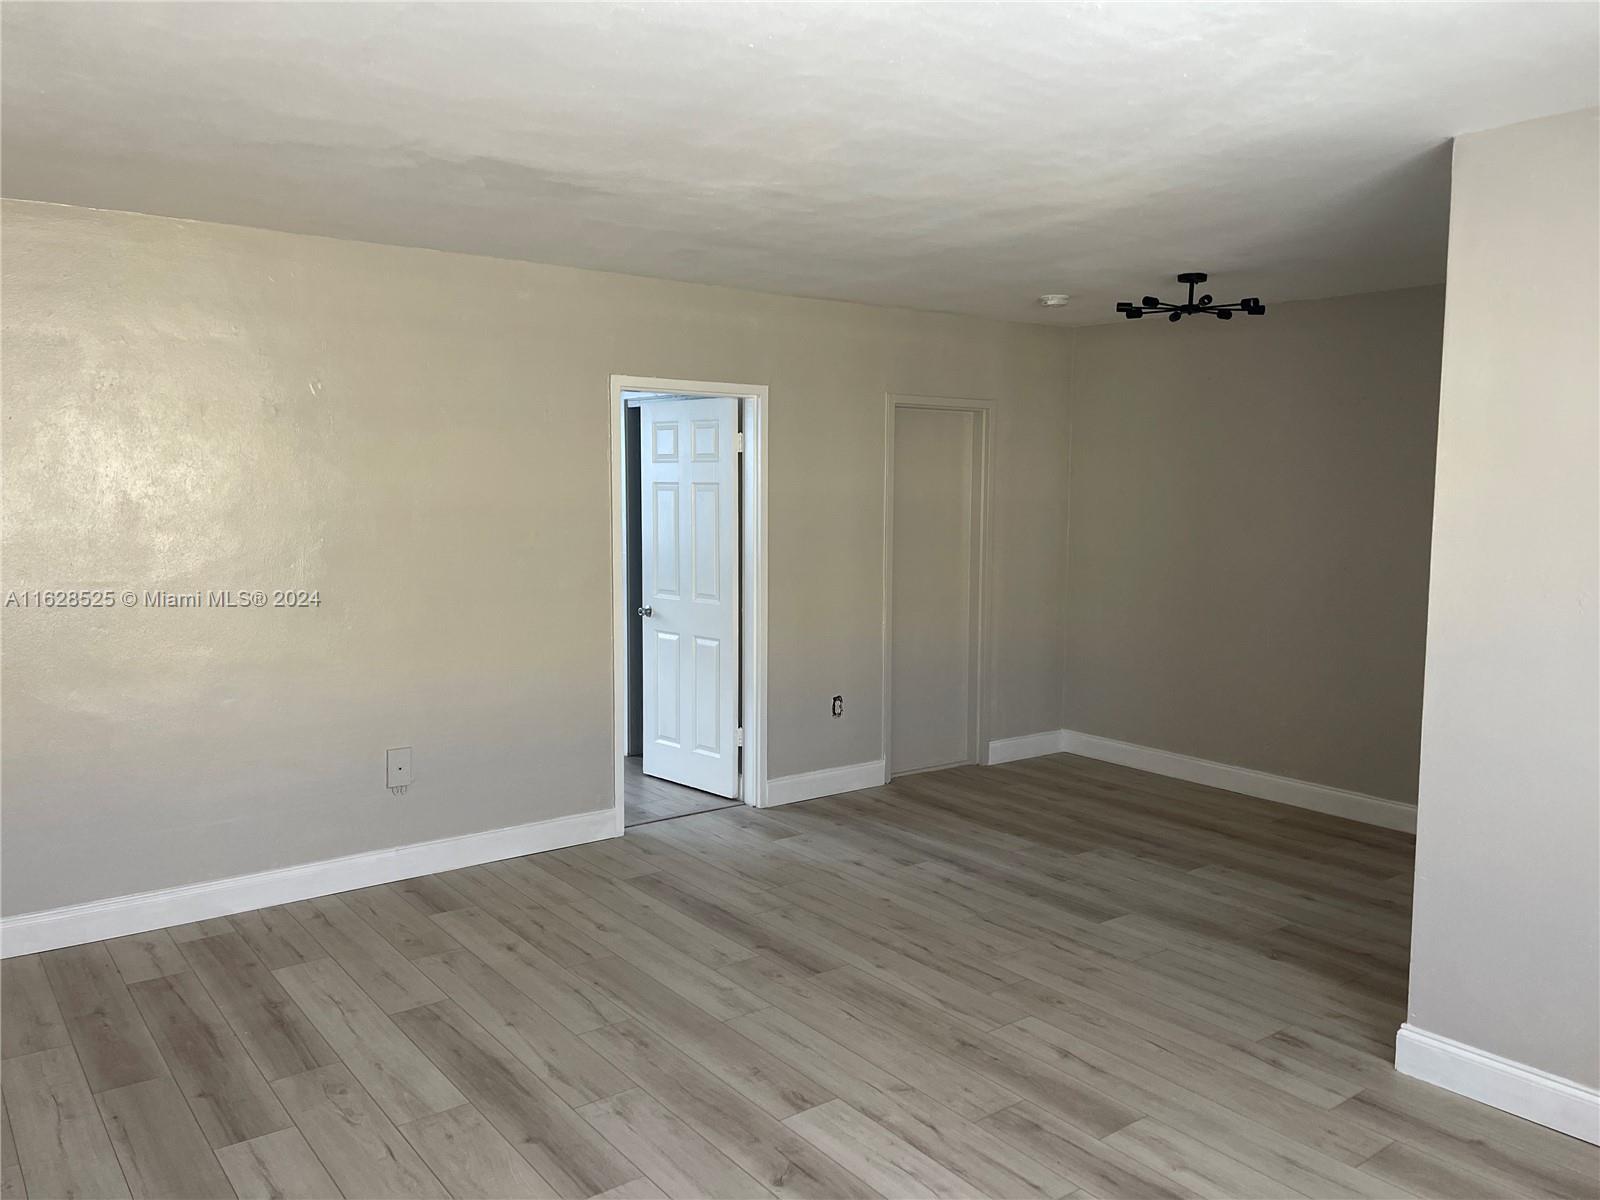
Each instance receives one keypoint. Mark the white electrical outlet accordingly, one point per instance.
(399, 768)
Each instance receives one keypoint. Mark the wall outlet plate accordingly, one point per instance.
(398, 763)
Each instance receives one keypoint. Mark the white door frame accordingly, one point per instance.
(752, 577)
(983, 500)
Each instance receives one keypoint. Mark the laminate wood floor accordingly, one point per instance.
(646, 799)
(1049, 979)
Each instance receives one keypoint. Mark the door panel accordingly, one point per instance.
(931, 651)
(708, 695)
(707, 535)
(664, 499)
(690, 573)
(667, 691)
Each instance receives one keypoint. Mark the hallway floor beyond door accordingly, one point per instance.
(646, 799)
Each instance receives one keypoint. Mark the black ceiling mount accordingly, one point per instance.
(1250, 306)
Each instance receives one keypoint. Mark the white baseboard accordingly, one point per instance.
(791, 789)
(1029, 745)
(1356, 806)
(122, 915)
(1524, 1091)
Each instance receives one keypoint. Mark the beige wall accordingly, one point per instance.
(423, 437)
(1506, 931)
(1247, 569)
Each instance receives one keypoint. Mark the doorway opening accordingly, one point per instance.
(936, 514)
(689, 597)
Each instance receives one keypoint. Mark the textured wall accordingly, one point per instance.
(1506, 931)
(423, 438)
(1247, 574)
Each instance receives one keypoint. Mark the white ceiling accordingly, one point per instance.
(955, 157)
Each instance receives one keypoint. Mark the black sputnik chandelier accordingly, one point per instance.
(1251, 306)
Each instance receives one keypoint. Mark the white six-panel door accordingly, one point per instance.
(689, 543)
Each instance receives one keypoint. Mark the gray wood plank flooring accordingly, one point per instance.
(646, 799)
(1049, 979)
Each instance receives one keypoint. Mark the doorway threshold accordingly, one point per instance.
(647, 800)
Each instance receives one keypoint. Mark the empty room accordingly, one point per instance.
(811, 600)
